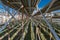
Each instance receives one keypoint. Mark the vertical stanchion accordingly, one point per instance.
(0, 38)
(50, 35)
(22, 23)
(8, 36)
(8, 32)
(51, 19)
(50, 27)
(50, 32)
(36, 33)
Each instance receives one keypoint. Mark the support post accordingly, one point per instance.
(50, 27)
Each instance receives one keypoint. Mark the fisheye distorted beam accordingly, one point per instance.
(50, 27)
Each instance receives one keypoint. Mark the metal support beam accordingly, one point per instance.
(50, 27)
(6, 23)
(15, 2)
(30, 7)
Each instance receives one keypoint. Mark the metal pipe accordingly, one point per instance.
(50, 27)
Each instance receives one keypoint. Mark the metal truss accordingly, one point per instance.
(6, 23)
(49, 25)
(32, 20)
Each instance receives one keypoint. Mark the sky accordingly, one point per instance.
(1, 6)
(41, 4)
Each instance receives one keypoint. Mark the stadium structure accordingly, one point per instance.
(41, 25)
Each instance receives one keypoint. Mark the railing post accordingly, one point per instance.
(8, 32)
(50, 27)
(22, 22)
(0, 38)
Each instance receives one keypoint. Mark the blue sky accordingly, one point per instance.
(41, 4)
(1, 6)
